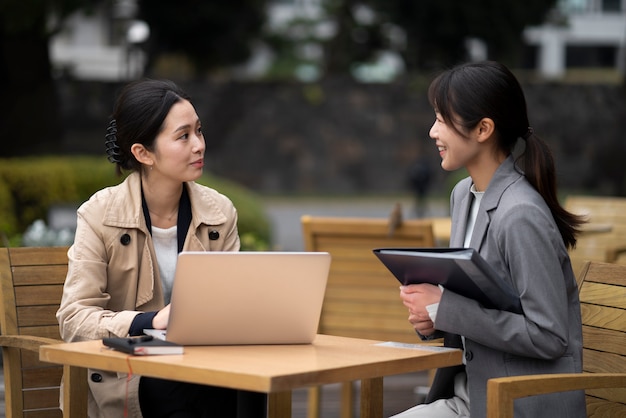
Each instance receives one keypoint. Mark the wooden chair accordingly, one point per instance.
(604, 235)
(362, 297)
(603, 307)
(31, 285)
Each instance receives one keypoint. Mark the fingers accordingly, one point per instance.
(416, 298)
(424, 327)
(418, 316)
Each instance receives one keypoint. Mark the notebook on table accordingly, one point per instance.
(236, 298)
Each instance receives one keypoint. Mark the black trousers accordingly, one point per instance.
(160, 398)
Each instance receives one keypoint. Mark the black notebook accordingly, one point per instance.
(143, 345)
(461, 270)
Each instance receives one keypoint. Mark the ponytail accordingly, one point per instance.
(539, 170)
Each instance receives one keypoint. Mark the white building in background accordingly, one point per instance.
(580, 34)
(101, 45)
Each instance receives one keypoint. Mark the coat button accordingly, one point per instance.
(213, 235)
(125, 239)
(96, 377)
(469, 355)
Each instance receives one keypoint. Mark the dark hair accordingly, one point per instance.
(466, 94)
(138, 117)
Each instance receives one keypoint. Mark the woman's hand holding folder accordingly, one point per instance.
(417, 297)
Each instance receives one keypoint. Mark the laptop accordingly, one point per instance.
(238, 298)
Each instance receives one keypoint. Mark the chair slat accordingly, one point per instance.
(603, 294)
(41, 398)
(38, 295)
(601, 408)
(606, 273)
(38, 275)
(47, 331)
(29, 316)
(41, 377)
(603, 362)
(38, 256)
(607, 340)
(603, 317)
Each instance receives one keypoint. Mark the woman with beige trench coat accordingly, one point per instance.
(121, 265)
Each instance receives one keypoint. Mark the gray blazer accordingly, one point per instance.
(516, 233)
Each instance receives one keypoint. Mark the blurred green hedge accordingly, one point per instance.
(30, 186)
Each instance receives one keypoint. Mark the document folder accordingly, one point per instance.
(461, 270)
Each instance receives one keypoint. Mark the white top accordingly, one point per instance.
(166, 247)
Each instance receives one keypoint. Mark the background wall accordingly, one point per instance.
(341, 137)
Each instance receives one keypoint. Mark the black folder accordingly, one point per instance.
(461, 270)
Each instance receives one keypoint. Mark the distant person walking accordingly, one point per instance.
(419, 177)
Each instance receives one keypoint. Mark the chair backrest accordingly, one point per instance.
(606, 228)
(603, 308)
(31, 285)
(362, 297)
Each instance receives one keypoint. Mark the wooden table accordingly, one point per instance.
(272, 369)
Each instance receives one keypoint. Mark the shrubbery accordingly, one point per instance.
(30, 186)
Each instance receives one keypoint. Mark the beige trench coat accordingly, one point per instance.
(113, 275)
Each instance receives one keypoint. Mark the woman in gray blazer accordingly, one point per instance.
(507, 209)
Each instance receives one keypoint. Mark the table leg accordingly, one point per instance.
(372, 398)
(74, 392)
(347, 400)
(314, 402)
(279, 405)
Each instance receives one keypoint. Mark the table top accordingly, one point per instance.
(263, 368)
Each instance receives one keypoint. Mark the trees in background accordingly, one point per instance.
(29, 109)
(214, 36)
(427, 34)
(211, 34)
(437, 30)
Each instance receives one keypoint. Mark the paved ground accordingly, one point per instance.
(401, 392)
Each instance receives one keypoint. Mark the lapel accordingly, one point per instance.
(504, 176)
(460, 211)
